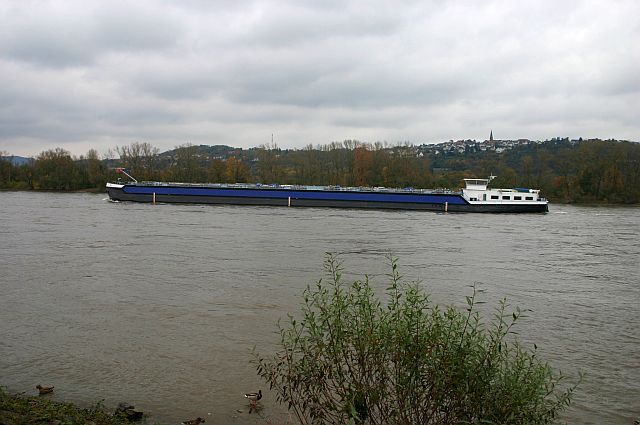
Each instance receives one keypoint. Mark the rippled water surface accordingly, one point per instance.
(160, 305)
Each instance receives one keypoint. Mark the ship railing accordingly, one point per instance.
(302, 187)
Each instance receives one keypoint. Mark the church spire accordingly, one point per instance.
(491, 136)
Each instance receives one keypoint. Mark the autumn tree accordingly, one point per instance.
(362, 166)
(236, 171)
(216, 171)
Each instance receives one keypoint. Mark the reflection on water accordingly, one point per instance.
(160, 305)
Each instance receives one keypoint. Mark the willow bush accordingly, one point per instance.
(351, 358)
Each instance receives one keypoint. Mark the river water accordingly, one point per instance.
(160, 305)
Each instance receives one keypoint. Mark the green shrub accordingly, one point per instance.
(350, 358)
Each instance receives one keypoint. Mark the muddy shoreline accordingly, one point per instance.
(32, 409)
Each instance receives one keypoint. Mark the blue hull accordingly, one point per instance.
(309, 197)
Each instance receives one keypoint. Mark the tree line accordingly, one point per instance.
(582, 172)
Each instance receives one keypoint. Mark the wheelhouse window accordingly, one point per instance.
(506, 197)
(495, 197)
(517, 198)
(529, 198)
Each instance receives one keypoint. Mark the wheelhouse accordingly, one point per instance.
(478, 191)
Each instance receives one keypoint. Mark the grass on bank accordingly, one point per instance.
(24, 410)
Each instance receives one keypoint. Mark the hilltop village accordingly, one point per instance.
(491, 144)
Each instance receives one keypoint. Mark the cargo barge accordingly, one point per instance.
(475, 197)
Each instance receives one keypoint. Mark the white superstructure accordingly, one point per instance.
(477, 192)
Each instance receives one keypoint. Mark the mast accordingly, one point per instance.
(121, 170)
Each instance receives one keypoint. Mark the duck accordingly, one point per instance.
(254, 397)
(129, 412)
(195, 421)
(44, 390)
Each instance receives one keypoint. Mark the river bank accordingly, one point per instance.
(21, 409)
(25, 409)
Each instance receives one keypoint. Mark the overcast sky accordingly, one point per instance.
(92, 74)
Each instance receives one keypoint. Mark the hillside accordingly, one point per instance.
(580, 171)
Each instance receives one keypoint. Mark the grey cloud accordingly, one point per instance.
(351, 81)
(46, 44)
(299, 24)
(170, 82)
(79, 37)
(314, 71)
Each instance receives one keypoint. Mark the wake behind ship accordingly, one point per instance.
(475, 197)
